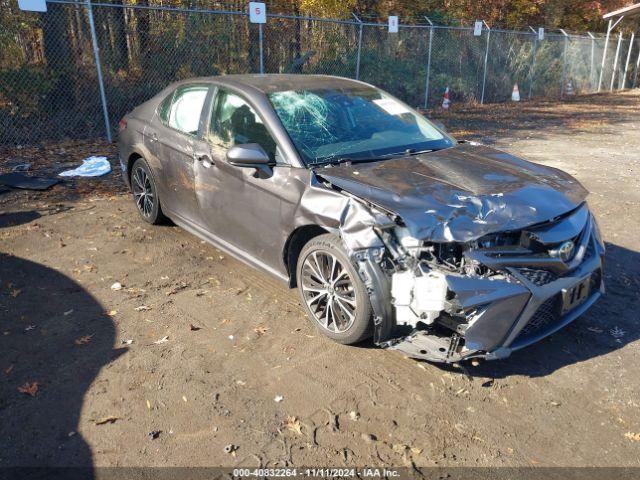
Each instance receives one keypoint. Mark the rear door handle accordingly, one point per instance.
(205, 160)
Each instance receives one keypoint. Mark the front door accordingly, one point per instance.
(239, 207)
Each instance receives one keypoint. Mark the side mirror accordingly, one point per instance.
(249, 155)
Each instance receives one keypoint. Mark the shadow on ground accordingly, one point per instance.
(56, 335)
(18, 218)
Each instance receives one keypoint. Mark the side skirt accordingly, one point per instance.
(232, 250)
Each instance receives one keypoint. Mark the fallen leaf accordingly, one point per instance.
(142, 308)
(110, 419)
(193, 328)
(278, 398)
(116, 286)
(148, 404)
(177, 288)
(293, 424)
(261, 330)
(83, 340)
(8, 370)
(15, 292)
(112, 313)
(29, 328)
(617, 332)
(29, 388)
(127, 342)
(184, 398)
(68, 312)
(164, 339)
(634, 437)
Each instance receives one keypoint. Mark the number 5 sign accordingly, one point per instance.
(393, 24)
(257, 12)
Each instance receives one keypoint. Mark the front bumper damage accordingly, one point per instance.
(499, 297)
(504, 299)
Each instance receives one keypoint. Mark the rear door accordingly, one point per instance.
(173, 134)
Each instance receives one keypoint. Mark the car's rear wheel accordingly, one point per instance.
(145, 193)
(332, 293)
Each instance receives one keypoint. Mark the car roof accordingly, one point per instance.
(277, 82)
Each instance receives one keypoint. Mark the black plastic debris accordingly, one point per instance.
(155, 434)
(19, 180)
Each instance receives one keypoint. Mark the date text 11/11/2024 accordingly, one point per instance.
(317, 472)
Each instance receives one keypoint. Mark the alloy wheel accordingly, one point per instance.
(328, 290)
(143, 192)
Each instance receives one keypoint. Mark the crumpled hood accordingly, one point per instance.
(461, 193)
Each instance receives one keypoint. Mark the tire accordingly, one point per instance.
(147, 201)
(330, 291)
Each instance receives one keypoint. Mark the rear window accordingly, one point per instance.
(163, 110)
(182, 109)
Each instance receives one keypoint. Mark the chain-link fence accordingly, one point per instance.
(79, 67)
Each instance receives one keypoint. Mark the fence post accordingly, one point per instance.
(626, 65)
(261, 48)
(615, 62)
(534, 54)
(359, 45)
(564, 63)
(486, 58)
(635, 75)
(592, 61)
(96, 55)
(426, 86)
(610, 27)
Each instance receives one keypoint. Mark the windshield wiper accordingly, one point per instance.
(340, 160)
(411, 151)
(404, 153)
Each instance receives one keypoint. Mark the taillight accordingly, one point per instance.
(122, 125)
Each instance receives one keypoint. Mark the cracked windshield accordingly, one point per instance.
(364, 124)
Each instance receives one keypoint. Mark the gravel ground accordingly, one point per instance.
(204, 352)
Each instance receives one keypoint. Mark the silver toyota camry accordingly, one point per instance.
(389, 228)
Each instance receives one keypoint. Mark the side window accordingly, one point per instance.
(234, 122)
(186, 108)
(163, 110)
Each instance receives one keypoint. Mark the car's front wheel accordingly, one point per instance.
(145, 193)
(332, 293)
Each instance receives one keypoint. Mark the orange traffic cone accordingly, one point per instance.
(569, 89)
(515, 95)
(445, 99)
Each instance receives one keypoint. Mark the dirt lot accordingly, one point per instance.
(200, 348)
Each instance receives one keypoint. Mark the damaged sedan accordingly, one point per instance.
(389, 228)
